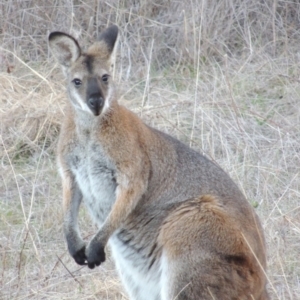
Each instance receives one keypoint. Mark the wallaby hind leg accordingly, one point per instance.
(205, 255)
(213, 282)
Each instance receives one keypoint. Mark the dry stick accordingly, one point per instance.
(288, 219)
(211, 294)
(97, 13)
(34, 186)
(20, 256)
(260, 265)
(72, 15)
(167, 105)
(182, 290)
(285, 280)
(20, 197)
(27, 220)
(147, 85)
(4, 259)
(197, 76)
(65, 252)
(36, 173)
(281, 197)
(75, 279)
(55, 265)
(251, 53)
(274, 26)
(231, 94)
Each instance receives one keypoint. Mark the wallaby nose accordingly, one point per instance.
(95, 102)
(94, 96)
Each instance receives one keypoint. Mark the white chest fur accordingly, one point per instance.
(141, 282)
(95, 176)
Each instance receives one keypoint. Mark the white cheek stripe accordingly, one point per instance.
(80, 104)
(107, 100)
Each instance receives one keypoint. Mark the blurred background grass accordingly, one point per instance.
(222, 76)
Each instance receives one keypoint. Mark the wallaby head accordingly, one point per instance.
(89, 83)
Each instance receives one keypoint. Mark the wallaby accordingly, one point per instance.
(178, 226)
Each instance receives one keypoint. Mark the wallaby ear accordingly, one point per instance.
(109, 36)
(64, 47)
(106, 43)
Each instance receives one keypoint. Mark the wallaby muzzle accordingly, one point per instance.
(95, 99)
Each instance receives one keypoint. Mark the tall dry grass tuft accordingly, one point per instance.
(222, 76)
(181, 30)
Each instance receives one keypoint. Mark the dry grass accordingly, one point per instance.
(233, 96)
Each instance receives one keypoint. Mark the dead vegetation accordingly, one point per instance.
(222, 76)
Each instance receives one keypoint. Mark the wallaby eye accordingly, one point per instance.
(77, 82)
(105, 77)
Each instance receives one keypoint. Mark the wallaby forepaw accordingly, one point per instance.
(80, 256)
(95, 255)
